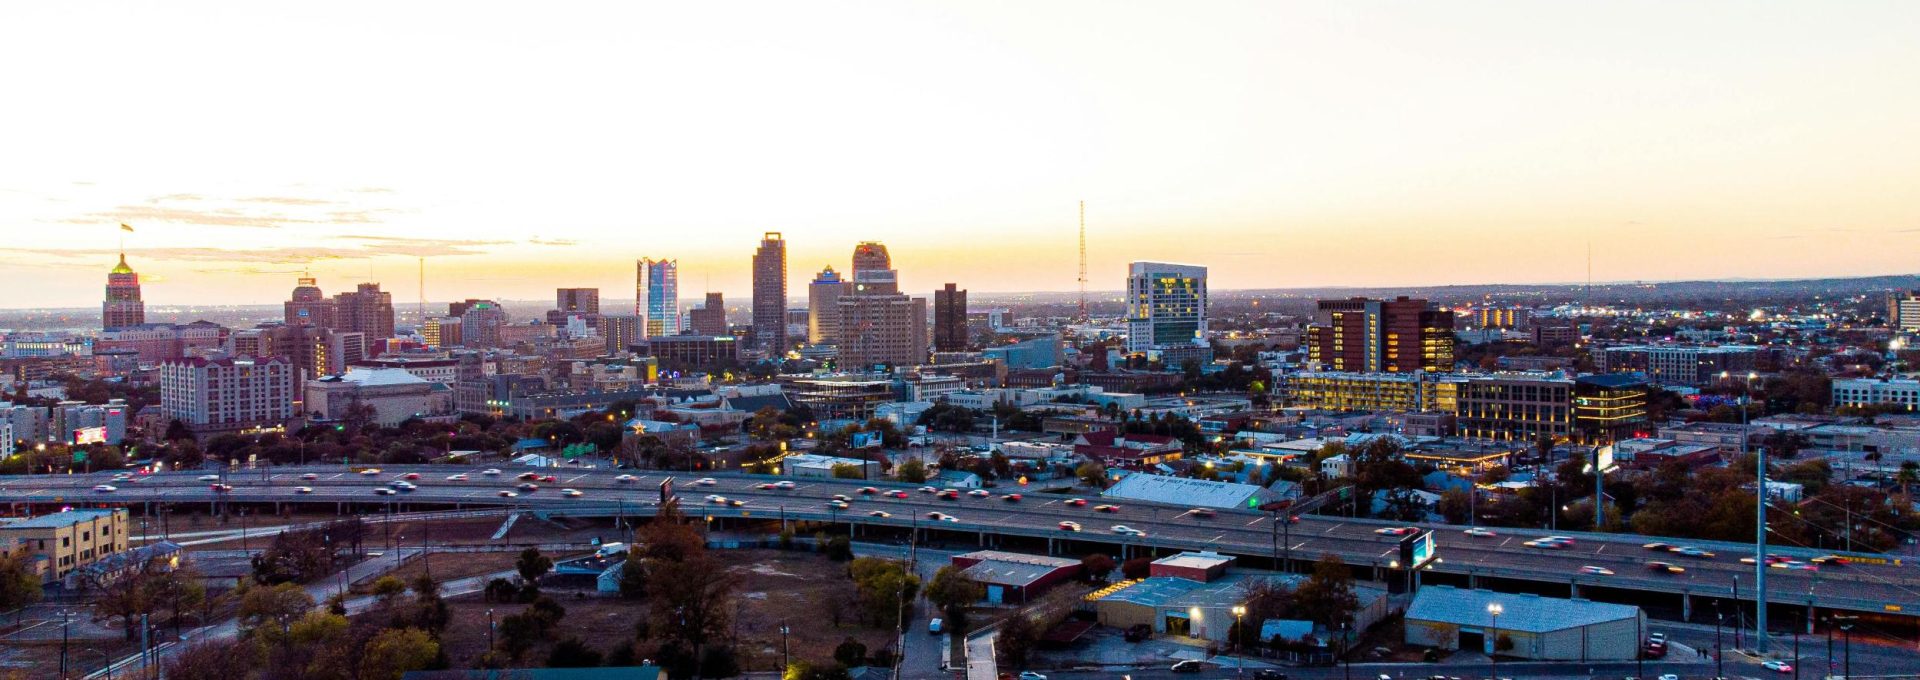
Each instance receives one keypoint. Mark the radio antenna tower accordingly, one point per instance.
(421, 312)
(1083, 260)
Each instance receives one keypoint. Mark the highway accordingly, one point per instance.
(1878, 588)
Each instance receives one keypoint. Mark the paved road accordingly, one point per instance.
(1860, 587)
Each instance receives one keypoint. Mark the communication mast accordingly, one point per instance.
(1083, 260)
(421, 311)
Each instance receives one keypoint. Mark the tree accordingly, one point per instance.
(850, 653)
(212, 660)
(395, 651)
(951, 587)
(572, 653)
(1091, 474)
(914, 471)
(1136, 568)
(282, 604)
(1097, 566)
(883, 587)
(690, 600)
(1016, 639)
(633, 576)
(1327, 596)
(19, 584)
(849, 471)
(532, 565)
(1456, 506)
(668, 537)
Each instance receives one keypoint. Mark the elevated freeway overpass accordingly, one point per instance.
(1889, 587)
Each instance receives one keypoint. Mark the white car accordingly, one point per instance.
(625, 478)
(784, 485)
(979, 493)
(105, 488)
(209, 478)
(491, 472)
(1127, 530)
(1669, 676)
(1030, 675)
(383, 491)
(1480, 532)
(838, 505)
(716, 498)
(310, 476)
(370, 471)
(508, 494)
(570, 493)
(303, 489)
(882, 514)
(1777, 666)
(457, 478)
(1596, 571)
(703, 481)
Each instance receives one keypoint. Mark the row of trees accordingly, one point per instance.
(285, 637)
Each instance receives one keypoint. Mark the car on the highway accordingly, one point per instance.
(1127, 530)
(716, 499)
(1548, 543)
(1106, 508)
(1395, 531)
(1596, 571)
(1690, 551)
(784, 485)
(303, 489)
(703, 481)
(209, 478)
(764, 486)
(1830, 561)
(896, 493)
(882, 514)
(508, 494)
(1011, 498)
(868, 491)
(383, 491)
(1666, 567)
(105, 488)
(1077, 502)
(979, 493)
(949, 495)
(528, 475)
(630, 478)
(221, 488)
(1777, 666)
(410, 475)
(1656, 545)
(571, 493)
(405, 486)
(842, 497)
(942, 517)
(928, 489)
(839, 505)
(1202, 513)
(1070, 526)
(528, 487)
(461, 477)
(735, 502)
(1795, 565)
(491, 472)
(549, 479)
(370, 471)
(310, 476)
(1481, 532)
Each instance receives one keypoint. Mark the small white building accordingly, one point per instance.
(1336, 467)
(1539, 628)
(812, 465)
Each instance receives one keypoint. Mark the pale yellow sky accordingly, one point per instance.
(527, 146)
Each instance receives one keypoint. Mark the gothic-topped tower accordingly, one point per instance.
(123, 306)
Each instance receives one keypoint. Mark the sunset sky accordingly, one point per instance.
(524, 146)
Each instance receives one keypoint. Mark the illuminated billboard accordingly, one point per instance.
(1417, 550)
(90, 435)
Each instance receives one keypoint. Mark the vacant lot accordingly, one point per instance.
(808, 593)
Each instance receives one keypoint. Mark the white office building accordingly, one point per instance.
(1166, 306)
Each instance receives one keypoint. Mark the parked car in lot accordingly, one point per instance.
(1138, 632)
(1189, 666)
(1269, 674)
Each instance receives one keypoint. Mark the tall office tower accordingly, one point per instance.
(1166, 306)
(620, 332)
(572, 302)
(770, 295)
(1903, 311)
(368, 311)
(212, 396)
(823, 307)
(710, 318)
(656, 296)
(308, 306)
(1395, 336)
(949, 319)
(870, 256)
(123, 306)
(480, 322)
(881, 328)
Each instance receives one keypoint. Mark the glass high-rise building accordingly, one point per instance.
(656, 295)
(1166, 306)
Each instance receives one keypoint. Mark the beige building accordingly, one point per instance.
(882, 328)
(65, 541)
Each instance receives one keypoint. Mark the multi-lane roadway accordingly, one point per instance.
(991, 518)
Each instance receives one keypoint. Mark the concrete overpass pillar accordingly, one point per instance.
(983, 539)
(1573, 589)
(1686, 606)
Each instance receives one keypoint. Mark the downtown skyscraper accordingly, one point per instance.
(1166, 306)
(770, 295)
(122, 306)
(656, 297)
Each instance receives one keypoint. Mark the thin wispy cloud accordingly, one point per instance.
(552, 241)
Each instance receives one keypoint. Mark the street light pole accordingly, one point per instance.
(1760, 526)
(1239, 633)
(1493, 655)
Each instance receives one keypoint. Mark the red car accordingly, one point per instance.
(1077, 502)
(897, 493)
(1012, 498)
(868, 490)
(949, 495)
(550, 479)
(222, 488)
(410, 475)
(1106, 508)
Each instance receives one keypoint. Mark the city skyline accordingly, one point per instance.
(1315, 146)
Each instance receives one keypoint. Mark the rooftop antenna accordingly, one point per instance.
(1083, 260)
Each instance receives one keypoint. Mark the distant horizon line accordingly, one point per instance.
(1574, 284)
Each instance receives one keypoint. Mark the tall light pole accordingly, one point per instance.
(1760, 519)
(1494, 609)
(1239, 633)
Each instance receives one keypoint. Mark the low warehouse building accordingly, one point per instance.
(1172, 605)
(1540, 628)
(1197, 493)
(1193, 566)
(1014, 577)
